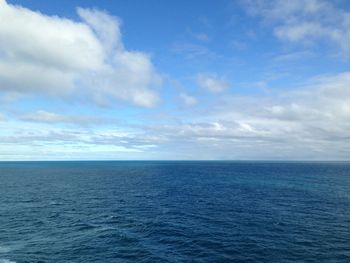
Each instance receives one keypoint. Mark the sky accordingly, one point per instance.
(174, 80)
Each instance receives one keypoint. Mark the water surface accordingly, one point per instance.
(174, 212)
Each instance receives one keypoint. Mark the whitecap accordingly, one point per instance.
(55, 203)
(6, 261)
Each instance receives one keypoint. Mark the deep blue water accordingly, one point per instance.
(174, 212)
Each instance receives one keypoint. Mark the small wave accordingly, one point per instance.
(4, 250)
(84, 226)
(53, 203)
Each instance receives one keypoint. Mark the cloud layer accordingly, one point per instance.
(310, 122)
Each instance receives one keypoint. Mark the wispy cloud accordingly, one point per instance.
(212, 82)
(187, 99)
(305, 21)
(194, 51)
(53, 118)
(238, 45)
(202, 37)
(292, 56)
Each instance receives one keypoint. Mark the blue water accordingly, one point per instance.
(174, 212)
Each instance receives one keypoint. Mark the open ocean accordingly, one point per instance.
(174, 211)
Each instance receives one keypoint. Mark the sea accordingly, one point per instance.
(174, 211)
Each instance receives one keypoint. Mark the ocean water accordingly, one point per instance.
(174, 212)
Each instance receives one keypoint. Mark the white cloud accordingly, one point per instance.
(212, 82)
(106, 27)
(187, 99)
(305, 21)
(51, 55)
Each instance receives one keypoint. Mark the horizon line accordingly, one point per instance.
(181, 160)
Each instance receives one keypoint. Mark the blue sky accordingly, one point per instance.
(230, 80)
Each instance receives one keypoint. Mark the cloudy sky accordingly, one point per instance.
(200, 79)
